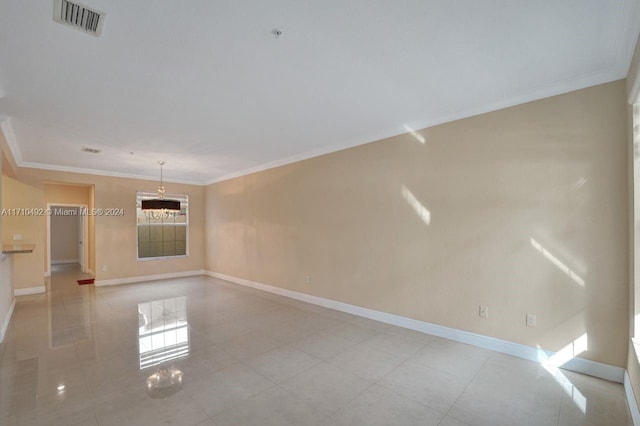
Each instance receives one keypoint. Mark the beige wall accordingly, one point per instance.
(6, 291)
(633, 78)
(633, 363)
(6, 262)
(65, 237)
(115, 236)
(28, 268)
(92, 230)
(67, 194)
(522, 210)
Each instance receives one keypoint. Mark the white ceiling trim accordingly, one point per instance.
(556, 88)
(41, 166)
(7, 130)
(621, 54)
(617, 63)
(14, 146)
(629, 23)
(627, 51)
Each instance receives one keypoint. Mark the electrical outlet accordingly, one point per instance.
(307, 279)
(531, 320)
(104, 268)
(17, 237)
(483, 312)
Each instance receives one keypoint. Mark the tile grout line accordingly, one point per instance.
(562, 398)
(467, 387)
(243, 363)
(404, 397)
(123, 304)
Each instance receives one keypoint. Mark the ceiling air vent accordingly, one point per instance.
(91, 150)
(78, 16)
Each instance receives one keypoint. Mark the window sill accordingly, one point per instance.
(145, 259)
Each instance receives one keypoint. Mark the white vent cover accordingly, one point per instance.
(91, 150)
(78, 16)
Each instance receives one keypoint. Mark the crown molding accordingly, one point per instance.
(628, 29)
(606, 75)
(68, 169)
(560, 87)
(617, 68)
(7, 130)
(621, 57)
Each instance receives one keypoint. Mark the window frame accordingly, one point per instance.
(184, 199)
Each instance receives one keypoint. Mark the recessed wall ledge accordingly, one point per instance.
(18, 248)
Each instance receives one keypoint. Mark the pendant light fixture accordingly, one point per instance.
(160, 208)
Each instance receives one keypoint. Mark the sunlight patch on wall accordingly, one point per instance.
(564, 268)
(422, 212)
(580, 183)
(573, 349)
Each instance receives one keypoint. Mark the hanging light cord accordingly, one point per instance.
(161, 188)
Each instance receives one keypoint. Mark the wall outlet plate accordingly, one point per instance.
(483, 311)
(531, 320)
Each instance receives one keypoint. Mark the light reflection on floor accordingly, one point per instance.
(163, 331)
(553, 363)
(73, 356)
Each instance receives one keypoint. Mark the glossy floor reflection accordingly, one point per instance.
(80, 355)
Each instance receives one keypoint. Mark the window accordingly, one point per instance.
(636, 219)
(163, 237)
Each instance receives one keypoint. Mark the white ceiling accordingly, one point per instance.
(205, 86)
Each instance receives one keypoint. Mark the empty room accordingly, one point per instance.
(320, 213)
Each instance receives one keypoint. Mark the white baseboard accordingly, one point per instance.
(7, 320)
(63, 261)
(631, 400)
(592, 368)
(142, 278)
(29, 290)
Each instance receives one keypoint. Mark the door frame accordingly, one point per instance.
(82, 217)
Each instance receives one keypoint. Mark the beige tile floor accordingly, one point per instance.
(73, 356)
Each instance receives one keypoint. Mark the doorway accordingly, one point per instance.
(68, 230)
